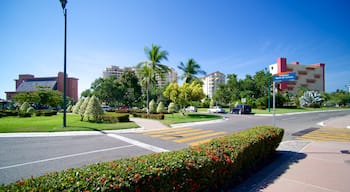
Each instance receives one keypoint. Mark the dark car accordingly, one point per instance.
(241, 109)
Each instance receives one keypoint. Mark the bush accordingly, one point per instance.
(45, 112)
(214, 166)
(115, 118)
(149, 116)
(24, 114)
(9, 112)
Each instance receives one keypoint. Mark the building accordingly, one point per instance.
(29, 83)
(311, 76)
(117, 71)
(169, 77)
(211, 82)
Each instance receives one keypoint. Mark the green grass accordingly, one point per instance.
(188, 117)
(54, 124)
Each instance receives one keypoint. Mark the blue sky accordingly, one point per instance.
(231, 36)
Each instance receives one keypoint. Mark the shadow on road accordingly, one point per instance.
(267, 175)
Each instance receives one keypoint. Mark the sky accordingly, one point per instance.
(231, 36)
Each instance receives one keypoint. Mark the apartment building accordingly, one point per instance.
(211, 82)
(310, 76)
(117, 71)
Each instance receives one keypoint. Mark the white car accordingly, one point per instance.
(191, 109)
(216, 109)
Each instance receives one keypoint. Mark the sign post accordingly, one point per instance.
(277, 79)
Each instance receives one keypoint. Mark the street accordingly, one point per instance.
(22, 157)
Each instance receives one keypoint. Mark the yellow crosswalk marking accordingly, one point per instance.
(328, 134)
(199, 137)
(184, 135)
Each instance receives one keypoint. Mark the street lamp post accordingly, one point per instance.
(268, 89)
(63, 3)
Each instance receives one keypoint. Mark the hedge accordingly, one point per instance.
(115, 118)
(45, 112)
(149, 116)
(214, 166)
(9, 112)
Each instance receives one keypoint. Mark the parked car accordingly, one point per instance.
(241, 109)
(106, 108)
(191, 109)
(216, 109)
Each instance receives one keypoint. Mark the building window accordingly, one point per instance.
(310, 68)
(302, 72)
(310, 80)
(317, 76)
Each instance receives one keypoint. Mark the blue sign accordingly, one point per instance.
(285, 77)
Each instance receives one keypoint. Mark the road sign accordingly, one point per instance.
(285, 77)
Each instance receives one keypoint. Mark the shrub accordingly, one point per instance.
(161, 107)
(10, 112)
(149, 116)
(152, 106)
(214, 166)
(171, 108)
(45, 112)
(24, 107)
(115, 118)
(24, 114)
(30, 110)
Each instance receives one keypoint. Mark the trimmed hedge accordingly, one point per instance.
(214, 166)
(115, 118)
(45, 112)
(9, 112)
(149, 116)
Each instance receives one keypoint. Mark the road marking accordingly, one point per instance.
(138, 143)
(198, 137)
(65, 156)
(328, 134)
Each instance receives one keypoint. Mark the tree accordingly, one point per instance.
(29, 97)
(171, 107)
(130, 86)
(83, 108)
(161, 107)
(152, 106)
(93, 109)
(86, 93)
(190, 70)
(107, 90)
(184, 94)
(150, 69)
(24, 107)
(77, 106)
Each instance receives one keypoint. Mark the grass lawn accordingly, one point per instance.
(54, 124)
(189, 117)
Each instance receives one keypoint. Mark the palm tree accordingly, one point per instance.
(190, 69)
(152, 68)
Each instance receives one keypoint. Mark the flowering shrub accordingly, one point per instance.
(208, 167)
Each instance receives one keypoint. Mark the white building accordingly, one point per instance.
(116, 71)
(211, 82)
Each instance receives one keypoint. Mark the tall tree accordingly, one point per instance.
(190, 70)
(130, 86)
(150, 69)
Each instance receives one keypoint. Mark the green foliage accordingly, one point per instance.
(77, 106)
(114, 118)
(93, 109)
(24, 107)
(171, 107)
(30, 110)
(83, 107)
(212, 103)
(152, 106)
(190, 70)
(149, 116)
(209, 167)
(69, 108)
(45, 113)
(161, 107)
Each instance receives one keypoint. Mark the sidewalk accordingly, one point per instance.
(306, 166)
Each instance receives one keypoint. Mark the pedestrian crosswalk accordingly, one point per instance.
(327, 134)
(191, 136)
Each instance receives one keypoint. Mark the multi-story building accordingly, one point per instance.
(169, 77)
(29, 83)
(311, 76)
(211, 82)
(117, 71)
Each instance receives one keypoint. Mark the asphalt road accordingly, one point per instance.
(22, 157)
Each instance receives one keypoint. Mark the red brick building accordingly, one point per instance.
(29, 83)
